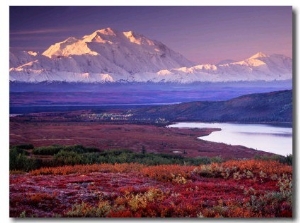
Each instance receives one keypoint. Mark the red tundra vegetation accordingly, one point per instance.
(234, 189)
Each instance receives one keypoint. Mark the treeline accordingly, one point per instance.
(26, 157)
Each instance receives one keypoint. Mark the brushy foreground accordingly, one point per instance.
(233, 189)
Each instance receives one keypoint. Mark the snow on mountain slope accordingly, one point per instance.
(267, 68)
(131, 52)
(108, 55)
(19, 58)
(70, 46)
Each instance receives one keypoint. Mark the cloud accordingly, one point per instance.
(40, 31)
(21, 48)
(27, 39)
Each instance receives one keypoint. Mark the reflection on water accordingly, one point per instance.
(270, 138)
(268, 134)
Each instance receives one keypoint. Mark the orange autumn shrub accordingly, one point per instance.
(256, 166)
(85, 169)
(241, 169)
(168, 173)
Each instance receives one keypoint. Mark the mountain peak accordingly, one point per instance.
(100, 35)
(111, 51)
(258, 55)
(138, 39)
(107, 31)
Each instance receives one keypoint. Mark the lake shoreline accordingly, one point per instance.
(287, 124)
(272, 138)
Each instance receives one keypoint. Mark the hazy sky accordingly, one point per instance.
(202, 34)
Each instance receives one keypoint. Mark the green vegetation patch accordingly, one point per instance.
(54, 149)
(22, 160)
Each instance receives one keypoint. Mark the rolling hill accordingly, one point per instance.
(262, 107)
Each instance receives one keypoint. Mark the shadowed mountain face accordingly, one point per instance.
(265, 107)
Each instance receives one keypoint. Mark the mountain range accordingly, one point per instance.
(108, 55)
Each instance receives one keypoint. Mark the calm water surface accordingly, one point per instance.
(269, 138)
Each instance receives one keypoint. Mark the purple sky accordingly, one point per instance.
(202, 34)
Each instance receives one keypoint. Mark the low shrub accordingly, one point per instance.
(47, 150)
(19, 161)
(25, 146)
(288, 159)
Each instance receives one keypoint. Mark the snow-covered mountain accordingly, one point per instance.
(258, 67)
(108, 55)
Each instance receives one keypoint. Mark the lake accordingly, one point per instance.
(269, 138)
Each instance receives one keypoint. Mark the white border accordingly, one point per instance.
(4, 49)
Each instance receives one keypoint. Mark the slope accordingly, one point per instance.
(263, 107)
